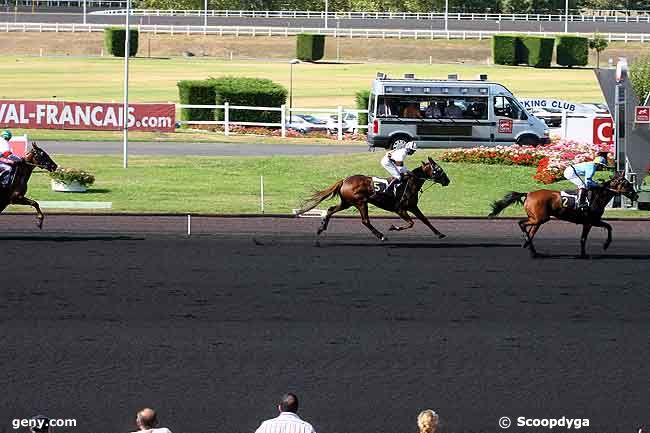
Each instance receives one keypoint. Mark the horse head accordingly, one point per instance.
(434, 172)
(621, 185)
(38, 157)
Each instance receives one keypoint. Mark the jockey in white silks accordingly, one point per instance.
(393, 162)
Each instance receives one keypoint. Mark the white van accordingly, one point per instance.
(448, 113)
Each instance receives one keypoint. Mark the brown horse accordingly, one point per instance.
(543, 204)
(358, 191)
(15, 193)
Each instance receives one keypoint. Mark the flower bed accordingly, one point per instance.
(277, 132)
(550, 160)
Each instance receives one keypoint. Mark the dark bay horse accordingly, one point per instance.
(543, 204)
(15, 193)
(358, 191)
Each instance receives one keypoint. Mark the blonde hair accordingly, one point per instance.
(428, 421)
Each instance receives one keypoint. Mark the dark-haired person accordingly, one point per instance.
(147, 421)
(288, 421)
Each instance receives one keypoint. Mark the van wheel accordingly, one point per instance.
(528, 140)
(399, 141)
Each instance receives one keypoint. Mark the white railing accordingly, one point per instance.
(285, 123)
(247, 31)
(383, 15)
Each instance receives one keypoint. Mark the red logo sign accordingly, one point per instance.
(603, 130)
(505, 126)
(642, 114)
(86, 115)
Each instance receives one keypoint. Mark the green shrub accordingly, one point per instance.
(537, 51)
(197, 92)
(572, 50)
(640, 76)
(114, 41)
(310, 48)
(252, 92)
(69, 175)
(506, 50)
(361, 97)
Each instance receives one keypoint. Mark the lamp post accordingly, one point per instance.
(125, 118)
(291, 63)
(566, 17)
(205, 17)
(326, 12)
(446, 15)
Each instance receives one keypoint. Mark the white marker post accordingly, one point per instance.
(125, 118)
(189, 225)
(262, 193)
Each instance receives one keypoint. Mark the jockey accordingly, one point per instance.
(6, 160)
(393, 162)
(575, 173)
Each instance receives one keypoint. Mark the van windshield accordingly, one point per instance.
(433, 107)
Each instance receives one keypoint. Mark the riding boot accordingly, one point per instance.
(583, 206)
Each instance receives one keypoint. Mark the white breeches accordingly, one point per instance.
(394, 170)
(571, 176)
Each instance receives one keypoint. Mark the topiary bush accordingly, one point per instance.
(640, 77)
(537, 51)
(252, 92)
(114, 41)
(506, 50)
(310, 48)
(361, 97)
(572, 50)
(197, 92)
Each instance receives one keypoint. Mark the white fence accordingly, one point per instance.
(639, 18)
(254, 31)
(284, 123)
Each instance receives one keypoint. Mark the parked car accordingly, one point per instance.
(305, 123)
(350, 122)
(551, 116)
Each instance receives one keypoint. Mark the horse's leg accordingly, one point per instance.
(363, 210)
(406, 217)
(583, 240)
(331, 211)
(531, 234)
(34, 204)
(418, 213)
(607, 227)
(523, 225)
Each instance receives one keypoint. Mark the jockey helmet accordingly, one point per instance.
(6, 134)
(411, 146)
(600, 160)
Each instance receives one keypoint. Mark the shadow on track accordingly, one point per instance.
(54, 238)
(594, 257)
(420, 245)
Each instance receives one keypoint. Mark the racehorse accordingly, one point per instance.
(15, 192)
(358, 191)
(542, 204)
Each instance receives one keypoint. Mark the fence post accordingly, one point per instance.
(283, 119)
(226, 118)
(340, 123)
(262, 193)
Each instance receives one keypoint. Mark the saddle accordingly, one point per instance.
(380, 186)
(569, 198)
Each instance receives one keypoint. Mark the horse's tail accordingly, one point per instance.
(320, 196)
(507, 200)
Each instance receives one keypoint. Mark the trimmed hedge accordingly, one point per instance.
(640, 76)
(361, 97)
(197, 92)
(114, 41)
(537, 51)
(310, 48)
(572, 50)
(505, 50)
(236, 91)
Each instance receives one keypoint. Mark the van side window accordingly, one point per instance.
(506, 107)
(371, 104)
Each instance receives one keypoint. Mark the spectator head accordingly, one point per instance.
(41, 424)
(428, 421)
(146, 419)
(288, 403)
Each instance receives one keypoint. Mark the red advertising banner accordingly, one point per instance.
(603, 130)
(86, 115)
(642, 114)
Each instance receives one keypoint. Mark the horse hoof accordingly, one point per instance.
(382, 238)
(392, 228)
(442, 236)
(39, 224)
(606, 245)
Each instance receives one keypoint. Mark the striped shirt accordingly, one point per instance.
(287, 422)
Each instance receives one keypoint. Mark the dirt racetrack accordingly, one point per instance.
(100, 315)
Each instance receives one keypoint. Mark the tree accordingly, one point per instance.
(599, 44)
